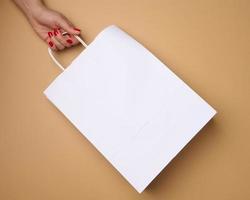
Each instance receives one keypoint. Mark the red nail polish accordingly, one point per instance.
(56, 32)
(77, 29)
(50, 34)
(69, 41)
(51, 44)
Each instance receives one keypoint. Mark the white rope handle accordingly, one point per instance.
(53, 57)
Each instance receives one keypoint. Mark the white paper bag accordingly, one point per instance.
(129, 105)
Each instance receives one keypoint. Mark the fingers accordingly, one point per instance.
(71, 40)
(57, 41)
(53, 42)
(58, 35)
(50, 42)
(68, 39)
(63, 22)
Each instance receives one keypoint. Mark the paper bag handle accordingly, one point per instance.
(53, 57)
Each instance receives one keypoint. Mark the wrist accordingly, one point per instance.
(31, 8)
(35, 10)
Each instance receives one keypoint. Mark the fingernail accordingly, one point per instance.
(51, 44)
(50, 34)
(69, 41)
(55, 32)
(77, 29)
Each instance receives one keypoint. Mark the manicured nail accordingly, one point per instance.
(56, 32)
(69, 41)
(77, 29)
(51, 44)
(50, 34)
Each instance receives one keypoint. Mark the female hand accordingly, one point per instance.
(49, 24)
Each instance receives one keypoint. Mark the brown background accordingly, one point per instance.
(206, 43)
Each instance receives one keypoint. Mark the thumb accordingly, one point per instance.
(67, 26)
